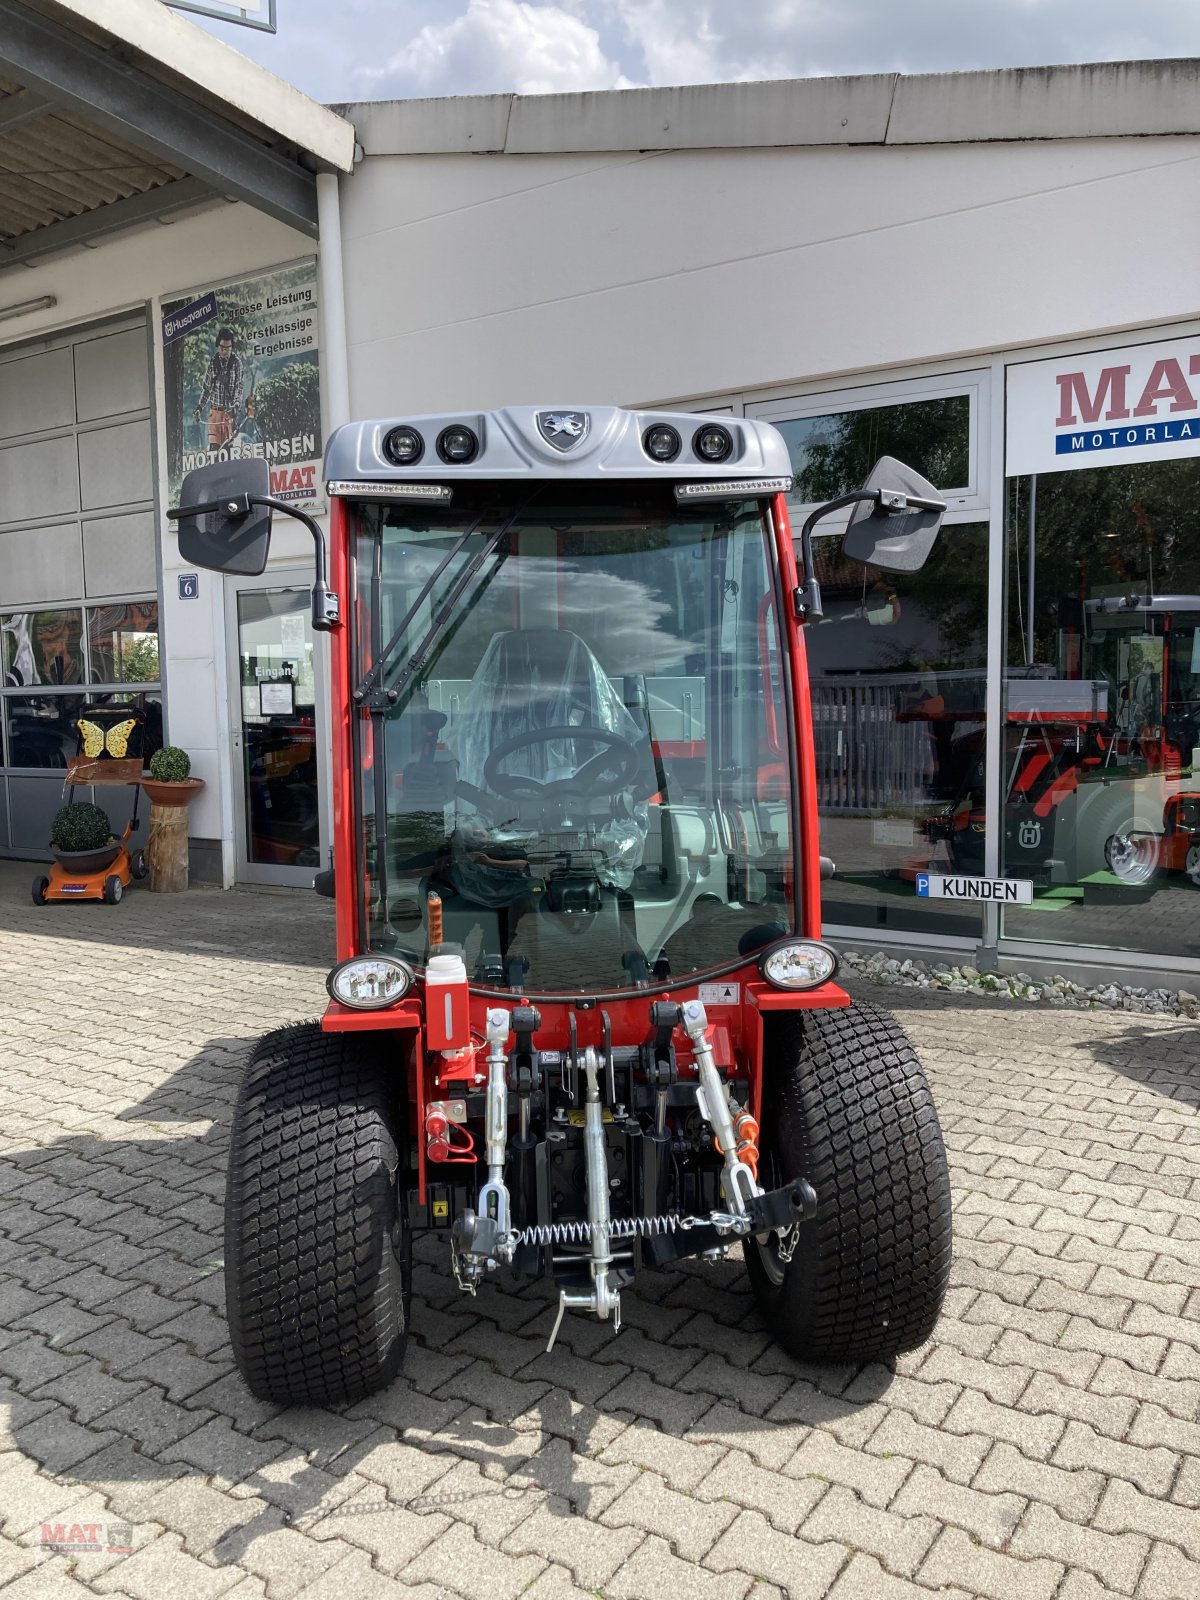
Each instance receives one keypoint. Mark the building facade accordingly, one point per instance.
(988, 275)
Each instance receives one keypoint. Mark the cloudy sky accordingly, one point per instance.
(386, 49)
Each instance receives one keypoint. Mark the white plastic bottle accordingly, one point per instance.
(447, 1000)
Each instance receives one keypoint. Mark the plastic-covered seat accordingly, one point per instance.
(530, 679)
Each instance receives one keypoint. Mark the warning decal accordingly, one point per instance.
(720, 994)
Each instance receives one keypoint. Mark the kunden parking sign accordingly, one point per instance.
(1004, 891)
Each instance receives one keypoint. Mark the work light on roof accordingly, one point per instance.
(661, 442)
(457, 444)
(404, 447)
(712, 442)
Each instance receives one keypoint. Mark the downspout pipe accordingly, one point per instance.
(335, 365)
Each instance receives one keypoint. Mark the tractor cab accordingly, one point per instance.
(577, 875)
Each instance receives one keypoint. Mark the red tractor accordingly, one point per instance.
(582, 1022)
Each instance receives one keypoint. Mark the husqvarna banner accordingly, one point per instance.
(242, 378)
(1107, 408)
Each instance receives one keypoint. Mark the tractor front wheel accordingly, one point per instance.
(318, 1258)
(846, 1105)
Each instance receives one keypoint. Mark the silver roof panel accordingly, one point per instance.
(512, 445)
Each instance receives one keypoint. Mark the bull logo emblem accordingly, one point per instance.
(1030, 835)
(563, 429)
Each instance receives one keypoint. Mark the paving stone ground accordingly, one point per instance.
(1045, 1445)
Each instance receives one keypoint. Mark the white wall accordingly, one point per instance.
(488, 279)
(137, 270)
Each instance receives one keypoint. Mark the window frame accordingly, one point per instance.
(967, 502)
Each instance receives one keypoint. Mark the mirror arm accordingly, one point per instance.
(807, 598)
(326, 613)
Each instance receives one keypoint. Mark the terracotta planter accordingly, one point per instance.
(170, 794)
(87, 861)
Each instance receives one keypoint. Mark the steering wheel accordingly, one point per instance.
(607, 773)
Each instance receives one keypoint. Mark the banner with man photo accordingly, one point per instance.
(242, 374)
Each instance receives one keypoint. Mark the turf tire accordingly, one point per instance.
(318, 1259)
(846, 1105)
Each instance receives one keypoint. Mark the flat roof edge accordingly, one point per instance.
(218, 70)
(1091, 100)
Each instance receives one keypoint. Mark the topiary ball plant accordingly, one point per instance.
(170, 765)
(80, 827)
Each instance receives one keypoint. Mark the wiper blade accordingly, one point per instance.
(418, 658)
(371, 680)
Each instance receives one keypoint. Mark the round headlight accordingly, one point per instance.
(457, 445)
(404, 447)
(712, 442)
(368, 982)
(797, 964)
(661, 442)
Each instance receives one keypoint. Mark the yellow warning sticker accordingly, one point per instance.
(441, 1208)
(578, 1119)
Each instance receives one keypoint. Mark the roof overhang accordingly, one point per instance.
(119, 112)
(1089, 101)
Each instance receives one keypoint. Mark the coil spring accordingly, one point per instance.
(618, 1228)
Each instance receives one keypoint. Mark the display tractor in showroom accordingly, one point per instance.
(582, 1022)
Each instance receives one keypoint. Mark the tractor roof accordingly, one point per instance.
(558, 442)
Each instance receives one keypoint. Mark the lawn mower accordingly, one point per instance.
(582, 1023)
(108, 754)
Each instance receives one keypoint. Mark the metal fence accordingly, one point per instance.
(875, 743)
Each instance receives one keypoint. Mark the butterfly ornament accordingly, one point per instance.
(97, 741)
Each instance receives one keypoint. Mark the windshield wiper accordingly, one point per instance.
(368, 690)
(371, 680)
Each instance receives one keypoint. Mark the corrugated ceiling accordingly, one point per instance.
(53, 166)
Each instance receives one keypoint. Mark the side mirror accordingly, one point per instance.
(893, 525)
(223, 524)
(894, 528)
(224, 519)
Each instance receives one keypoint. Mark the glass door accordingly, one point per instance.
(279, 732)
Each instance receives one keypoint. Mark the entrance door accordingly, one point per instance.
(279, 733)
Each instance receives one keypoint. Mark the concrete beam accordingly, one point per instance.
(153, 206)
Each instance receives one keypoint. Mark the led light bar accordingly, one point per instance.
(726, 488)
(390, 491)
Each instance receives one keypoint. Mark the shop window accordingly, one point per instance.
(833, 454)
(113, 650)
(898, 673)
(1101, 788)
(42, 647)
(933, 424)
(123, 642)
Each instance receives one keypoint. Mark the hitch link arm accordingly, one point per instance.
(737, 1180)
(494, 1204)
(601, 1297)
(478, 1240)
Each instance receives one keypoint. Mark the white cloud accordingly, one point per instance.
(429, 47)
(500, 45)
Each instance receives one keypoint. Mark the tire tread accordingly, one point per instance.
(316, 1291)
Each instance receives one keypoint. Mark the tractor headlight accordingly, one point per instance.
(797, 964)
(368, 982)
(404, 447)
(712, 442)
(457, 445)
(661, 442)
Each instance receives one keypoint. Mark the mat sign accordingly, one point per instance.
(1104, 409)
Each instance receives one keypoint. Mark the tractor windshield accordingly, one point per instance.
(574, 733)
